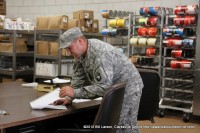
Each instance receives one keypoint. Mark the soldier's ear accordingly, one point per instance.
(79, 41)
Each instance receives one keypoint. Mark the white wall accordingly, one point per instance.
(32, 8)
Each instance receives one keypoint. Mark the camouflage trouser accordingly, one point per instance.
(128, 117)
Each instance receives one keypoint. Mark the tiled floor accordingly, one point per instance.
(171, 123)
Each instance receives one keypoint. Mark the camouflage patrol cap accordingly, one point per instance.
(69, 36)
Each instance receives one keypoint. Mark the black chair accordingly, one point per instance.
(108, 113)
(149, 101)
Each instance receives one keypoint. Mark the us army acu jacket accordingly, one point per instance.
(102, 67)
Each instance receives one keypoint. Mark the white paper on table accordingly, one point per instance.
(33, 85)
(46, 101)
(85, 100)
(51, 106)
(58, 81)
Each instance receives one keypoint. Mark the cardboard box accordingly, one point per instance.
(67, 69)
(1, 23)
(95, 26)
(88, 25)
(46, 69)
(2, 5)
(53, 48)
(19, 40)
(42, 47)
(76, 23)
(64, 52)
(58, 22)
(8, 47)
(21, 44)
(2, 12)
(83, 14)
(81, 24)
(42, 23)
(5, 80)
(72, 23)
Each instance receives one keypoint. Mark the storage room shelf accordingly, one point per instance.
(183, 89)
(178, 100)
(168, 104)
(171, 58)
(147, 67)
(177, 69)
(26, 54)
(17, 72)
(46, 57)
(191, 80)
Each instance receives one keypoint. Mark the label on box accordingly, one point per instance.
(177, 42)
(87, 15)
(65, 20)
(187, 65)
(165, 41)
(95, 25)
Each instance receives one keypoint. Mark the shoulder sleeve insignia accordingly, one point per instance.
(99, 74)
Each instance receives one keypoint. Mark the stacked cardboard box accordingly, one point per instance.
(2, 7)
(47, 48)
(46, 69)
(52, 22)
(21, 45)
(51, 69)
(84, 19)
(5, 80)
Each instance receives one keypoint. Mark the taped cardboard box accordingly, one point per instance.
(88, 26)
(2, 12)
(46, 69)
(76, 23)
(83, 14)
(1, 22)
(42, 47)
(53, 48)
(2, 5)
(42, 23)
(72, 23)
(21, 44)
(95, 26)
(6, 80)
(58, 22)
(8, 47)
(19, 40)
(64, 52)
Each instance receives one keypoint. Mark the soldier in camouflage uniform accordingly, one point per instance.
(98, 66)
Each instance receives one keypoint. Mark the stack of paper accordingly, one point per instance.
(46, 101)
(58, 81)
(32, 85)
(85, 100)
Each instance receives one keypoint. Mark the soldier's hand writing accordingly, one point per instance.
(66, 91)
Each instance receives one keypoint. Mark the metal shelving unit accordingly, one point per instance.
(139, 52)
(13, 71)
(49, 35)
(118, 40)
(63, 62)
(177, 87)
(196, 99)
